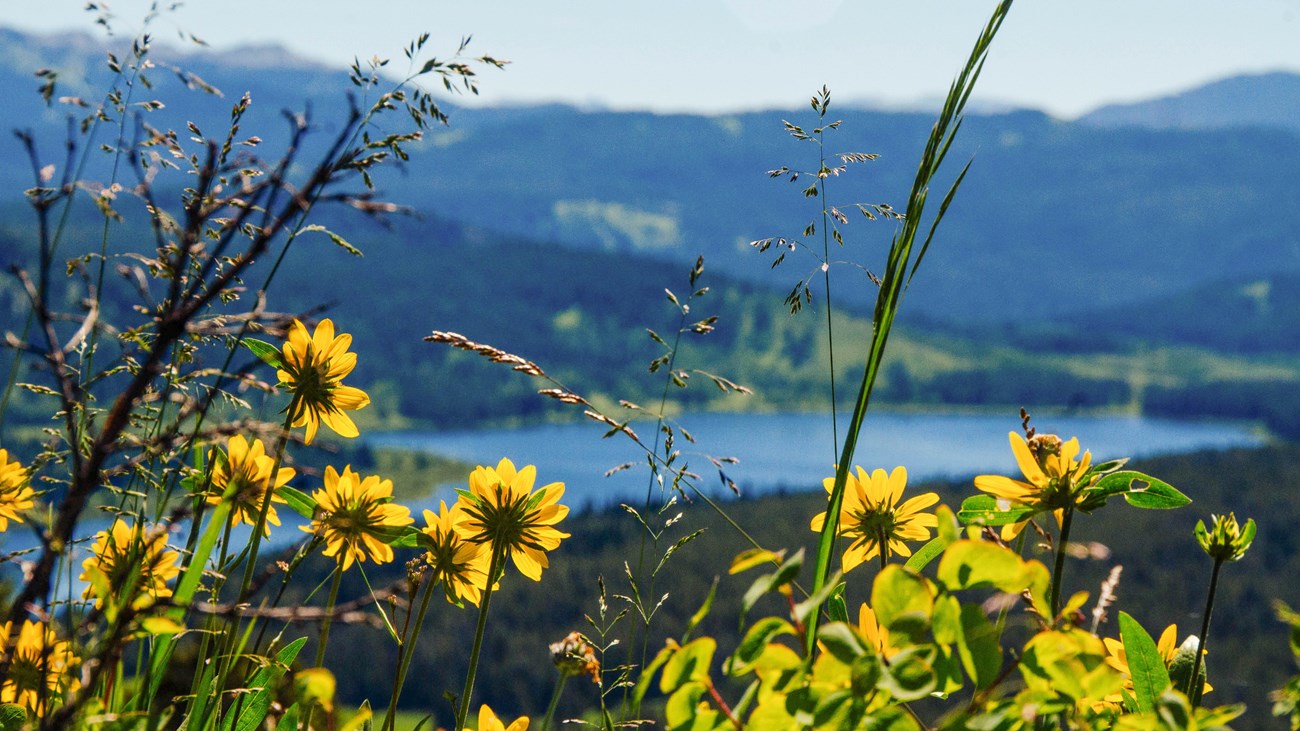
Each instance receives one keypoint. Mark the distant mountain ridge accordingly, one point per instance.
(1257, 100)
(1056, 218)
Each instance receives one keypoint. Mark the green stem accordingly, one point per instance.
(407, 651)
(555, 701)
(1194, 685)
(329, 616)
(1060, 562)
(462, 704)
(258, 530)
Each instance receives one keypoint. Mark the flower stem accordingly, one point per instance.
(1193, 684)
(259, 530)
(462, 709)
(329, 615)
(407, 650)
(555, 701)
(1060, 561)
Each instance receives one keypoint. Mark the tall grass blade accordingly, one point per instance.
(899, 269)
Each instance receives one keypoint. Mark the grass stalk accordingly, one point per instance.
(901, 265)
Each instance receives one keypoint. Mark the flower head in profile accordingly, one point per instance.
(352, 515)
(244, 471)
(488, 721)
(502, 511)
(15, 493)
(314, 367)
(872, 519)
(460, 565)
(129, 562)
(43, 667)
(1053, 477)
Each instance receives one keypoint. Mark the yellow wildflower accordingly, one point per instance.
(503, 512)
(875, 632)
(15, 493)
(1052, 477)
(872, 518)
(314, 366)
(123, 553)
(488, 721)
(461, 566)
(42, 667)
(353, 515)
(248, 469)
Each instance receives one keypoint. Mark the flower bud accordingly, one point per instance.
(1225, 540)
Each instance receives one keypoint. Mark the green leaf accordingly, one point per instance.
(910, 674)
(770, 582)
(289, 719)
(12, 717)
(755, 641)
(925, 554)
(903, 601)
(1139, 489)
(1146, 667)
(263, 686)
(981, 565)
(843, 642)
(690, 663)
(643, 683)
(978, 646)
(984, 510)
(265, 352)
(300, 502)
(702, 612)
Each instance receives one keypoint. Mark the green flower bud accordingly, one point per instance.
(1225, 540)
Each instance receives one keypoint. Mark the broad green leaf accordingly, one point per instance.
(289, 719)
(910, 674)
(755, 641)
(903, 601)
(1145, 666)
(1139, 489)
(971, 564)
(263, 686)
(984, 510)
(689, 663)
(12, 717)
(265, 352)
(301, 503)
(842, 641)
(643, 683)
(978, 646)
(752, 557)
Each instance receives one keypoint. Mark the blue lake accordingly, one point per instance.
(792, 451)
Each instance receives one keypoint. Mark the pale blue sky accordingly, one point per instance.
(1063, 56)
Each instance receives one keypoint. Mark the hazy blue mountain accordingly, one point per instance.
(1260, 100)
(1056, 217)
